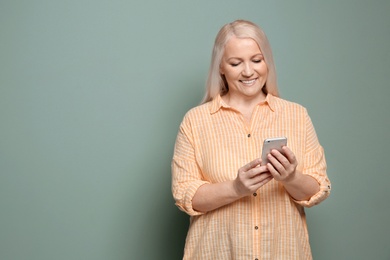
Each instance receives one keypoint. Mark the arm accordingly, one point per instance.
(196, 195)
(312, 185)
(283, 169)
(249, 178)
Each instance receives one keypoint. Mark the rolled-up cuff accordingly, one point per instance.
(321, 195)
(185, 204)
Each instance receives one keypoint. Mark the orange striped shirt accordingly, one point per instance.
(213, 142)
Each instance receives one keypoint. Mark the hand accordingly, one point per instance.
(282, 166)
(251, 177)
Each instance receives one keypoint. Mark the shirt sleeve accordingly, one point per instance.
(315, 165)
(186, 174)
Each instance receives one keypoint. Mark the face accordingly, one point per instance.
(244, 68)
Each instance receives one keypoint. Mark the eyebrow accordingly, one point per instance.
(258, 54)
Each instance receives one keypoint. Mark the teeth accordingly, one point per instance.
(248, 81)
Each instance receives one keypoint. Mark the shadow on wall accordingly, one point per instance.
(147, 224)
(174, 223)
(159, 228)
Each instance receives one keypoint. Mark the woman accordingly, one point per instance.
(239, 207)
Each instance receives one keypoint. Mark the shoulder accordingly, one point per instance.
(199, 111)
(283, 105)
(197, 114)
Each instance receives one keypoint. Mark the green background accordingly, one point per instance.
(92, 94)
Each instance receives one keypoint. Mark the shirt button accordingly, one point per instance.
(256, 227)
(255, 194)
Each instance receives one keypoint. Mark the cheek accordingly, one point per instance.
(262, 70)
(231, 72)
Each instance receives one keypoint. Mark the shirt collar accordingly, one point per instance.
(217, 103)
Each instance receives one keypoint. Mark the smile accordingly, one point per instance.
(248, 82)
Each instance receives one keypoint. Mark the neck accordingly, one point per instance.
(243, 102)
(244, 105)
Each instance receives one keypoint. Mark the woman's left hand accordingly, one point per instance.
(283, 165)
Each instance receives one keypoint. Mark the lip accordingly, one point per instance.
(248, 82)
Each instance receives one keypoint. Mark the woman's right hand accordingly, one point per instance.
(251, 177)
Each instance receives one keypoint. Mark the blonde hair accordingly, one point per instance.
(216, 84)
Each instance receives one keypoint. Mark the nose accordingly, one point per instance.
(248, 70)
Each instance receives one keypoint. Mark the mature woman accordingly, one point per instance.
(242, 208)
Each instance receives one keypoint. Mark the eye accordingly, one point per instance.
(234, 64)
(257, 61)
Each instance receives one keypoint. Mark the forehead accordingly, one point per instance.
(241, 47)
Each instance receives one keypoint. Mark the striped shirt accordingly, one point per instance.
(213, 142)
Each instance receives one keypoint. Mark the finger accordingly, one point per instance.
(261, 178)
(264, 176)
(259, 170)
(250, 165)
(276, 164)
(289, 155)
(264, 181)
(276, 169)
(272, 169)
(282, 159)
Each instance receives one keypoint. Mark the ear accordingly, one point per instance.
(221, 70)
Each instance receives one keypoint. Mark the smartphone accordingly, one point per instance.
(270, 144)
